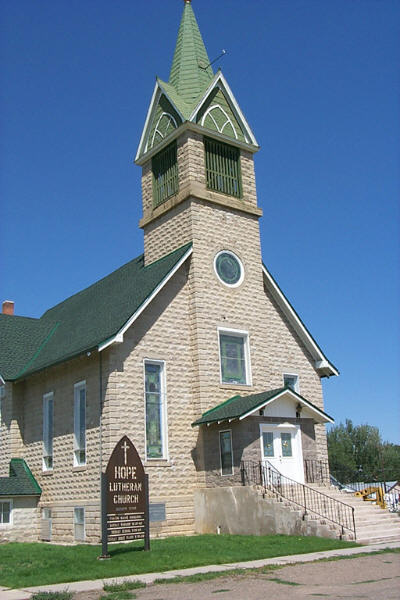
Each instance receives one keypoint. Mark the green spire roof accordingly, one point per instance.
(190, 71)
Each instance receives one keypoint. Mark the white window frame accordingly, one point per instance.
(236, 333)
(220, 453)
(77, 425)
(297, 386)
(47, 398)
(235, 256)
(164, 416)
(10, 502)
(46, 515)
(78, 539)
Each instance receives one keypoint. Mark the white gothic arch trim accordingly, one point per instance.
(227, 122)
(157, 131)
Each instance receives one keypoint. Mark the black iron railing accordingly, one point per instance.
(316, 471)
(299, 494)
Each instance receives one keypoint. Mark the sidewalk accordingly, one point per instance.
(148, 578)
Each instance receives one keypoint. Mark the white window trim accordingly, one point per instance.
(10, 502)
(84, 523)
(164, 414)
(220, 453)
(297, 386)
(77, 387)
(227, 122)
(46, 398)
(246, 337)
(230, 285)
(156, 130)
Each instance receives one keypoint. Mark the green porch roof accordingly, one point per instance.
(83, 321)
(20, 481)
(239, 406)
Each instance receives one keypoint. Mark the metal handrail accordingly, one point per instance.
(312, 501)
(318, 471)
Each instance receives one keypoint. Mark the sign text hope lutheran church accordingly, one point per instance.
(125, 504)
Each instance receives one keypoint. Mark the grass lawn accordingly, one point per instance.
(23, 565)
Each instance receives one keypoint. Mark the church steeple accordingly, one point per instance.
(191, 72)
(193, 95)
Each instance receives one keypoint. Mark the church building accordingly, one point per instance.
(192, 350)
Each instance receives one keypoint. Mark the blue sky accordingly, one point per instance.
(318, 82)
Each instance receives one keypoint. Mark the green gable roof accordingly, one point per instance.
(238, 406)
(20, 482)
(190, 72)
(81, 322)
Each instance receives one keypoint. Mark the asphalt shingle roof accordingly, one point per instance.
(191, 72)
(20, 482)
(237, 406)
(81, 322)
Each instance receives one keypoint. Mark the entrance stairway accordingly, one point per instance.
(374, 525)
(349, 517)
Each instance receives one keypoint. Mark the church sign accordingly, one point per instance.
(125, 498)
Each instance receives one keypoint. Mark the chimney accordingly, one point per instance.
(8, 307)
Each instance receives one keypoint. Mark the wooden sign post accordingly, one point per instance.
(124, 498)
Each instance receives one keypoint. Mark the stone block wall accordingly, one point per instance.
(25, 521)
(5, 426)
(162, 334)
(246, 446)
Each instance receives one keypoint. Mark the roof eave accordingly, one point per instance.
(158, 91)
(321, 364)
(220, 81)
(322, 416)
(119, 336)
(189, 126)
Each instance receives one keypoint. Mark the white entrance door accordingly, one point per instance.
(281, 447)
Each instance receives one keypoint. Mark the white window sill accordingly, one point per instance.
(78, 468)
(48, 472)
(236, 386)
(157, 462)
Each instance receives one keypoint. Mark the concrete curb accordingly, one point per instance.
(148, 578)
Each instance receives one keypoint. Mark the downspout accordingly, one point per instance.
(101, 418)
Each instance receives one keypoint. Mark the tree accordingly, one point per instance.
(357, 453)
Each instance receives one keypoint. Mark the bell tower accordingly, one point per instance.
(198, 184)
(196, 147)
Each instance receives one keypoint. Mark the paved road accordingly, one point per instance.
(375, 577)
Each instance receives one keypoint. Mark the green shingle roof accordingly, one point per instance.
(237, 406)
(81, 322)
(190, 72)
(20, 482)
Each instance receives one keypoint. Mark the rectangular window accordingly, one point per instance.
(46, 524)
(291, 381)
(234, 357)
(155, 401)
(223, 168)
(5, 512)
(268, 442)
(286, 444)
(79, 524)
(80, 424)
(165, 174)
(225, 447)
(48, 411)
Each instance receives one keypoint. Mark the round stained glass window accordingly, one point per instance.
(229, 268)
